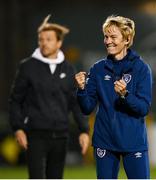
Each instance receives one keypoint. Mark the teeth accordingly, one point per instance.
(110, 45)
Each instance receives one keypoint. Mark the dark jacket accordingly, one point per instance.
(40, 100)
(120, 122)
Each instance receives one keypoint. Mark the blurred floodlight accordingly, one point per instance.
(148, 7)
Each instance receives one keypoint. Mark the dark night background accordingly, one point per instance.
(19, 20)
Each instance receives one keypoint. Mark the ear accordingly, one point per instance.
(127, 40)
(59, 44)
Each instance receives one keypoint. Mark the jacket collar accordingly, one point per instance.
(131, 57)
(38, 55)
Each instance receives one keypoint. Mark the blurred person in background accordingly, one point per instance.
(121, 84)
(42, 95)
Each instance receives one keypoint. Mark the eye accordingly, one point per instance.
(40, 40)
(113, 37)
(105, 37)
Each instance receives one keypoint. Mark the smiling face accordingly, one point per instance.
(115, 43)
(49, 44)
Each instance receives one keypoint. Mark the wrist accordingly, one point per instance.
(125, 94)
(81, 87)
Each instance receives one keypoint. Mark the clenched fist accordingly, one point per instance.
(120, 87)
(81, 79)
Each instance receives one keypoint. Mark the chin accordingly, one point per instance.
(111, 53)
(45, 54)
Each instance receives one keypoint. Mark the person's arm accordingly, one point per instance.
(84, 142)
(74, 106)
(86, 93)
(81, 120)
(16, 100)
(139, 102)
(82, 123)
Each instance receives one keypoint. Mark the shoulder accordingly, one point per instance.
(141, 65)
(67, 64)
(98, 63)
(68, 67)
(27, 62)
(27, 65)
(141, 69)
(137, 60)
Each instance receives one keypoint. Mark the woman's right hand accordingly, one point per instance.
(81, 79)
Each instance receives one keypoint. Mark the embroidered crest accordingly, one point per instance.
(62, 75)
(101, 152)
(127, 78)
(26, 119)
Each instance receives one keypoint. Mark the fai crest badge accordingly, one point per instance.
(101, 152)
(127, 78)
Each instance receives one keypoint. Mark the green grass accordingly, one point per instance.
(74, 172)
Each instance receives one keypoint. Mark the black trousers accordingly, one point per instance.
(46, 155)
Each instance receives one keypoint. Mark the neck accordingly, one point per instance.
(52, 56)
(121, 55)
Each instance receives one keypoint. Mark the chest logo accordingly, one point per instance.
(127, 78)
(107, 77)
(62, 75)
(138, 155)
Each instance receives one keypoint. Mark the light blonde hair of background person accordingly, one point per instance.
(45, 26)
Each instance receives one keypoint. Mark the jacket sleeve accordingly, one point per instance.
(87, 98)
(80, 119)
(16, 99)
(140, 102)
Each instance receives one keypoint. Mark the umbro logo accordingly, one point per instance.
(107, 77)
(138, 155)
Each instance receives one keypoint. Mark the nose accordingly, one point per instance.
(107, 40)
(44, 43)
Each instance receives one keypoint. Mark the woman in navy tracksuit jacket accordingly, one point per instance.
(121, 87)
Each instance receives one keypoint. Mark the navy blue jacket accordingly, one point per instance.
(120, 123)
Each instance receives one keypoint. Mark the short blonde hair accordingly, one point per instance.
(60, 30)
(126, 26)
